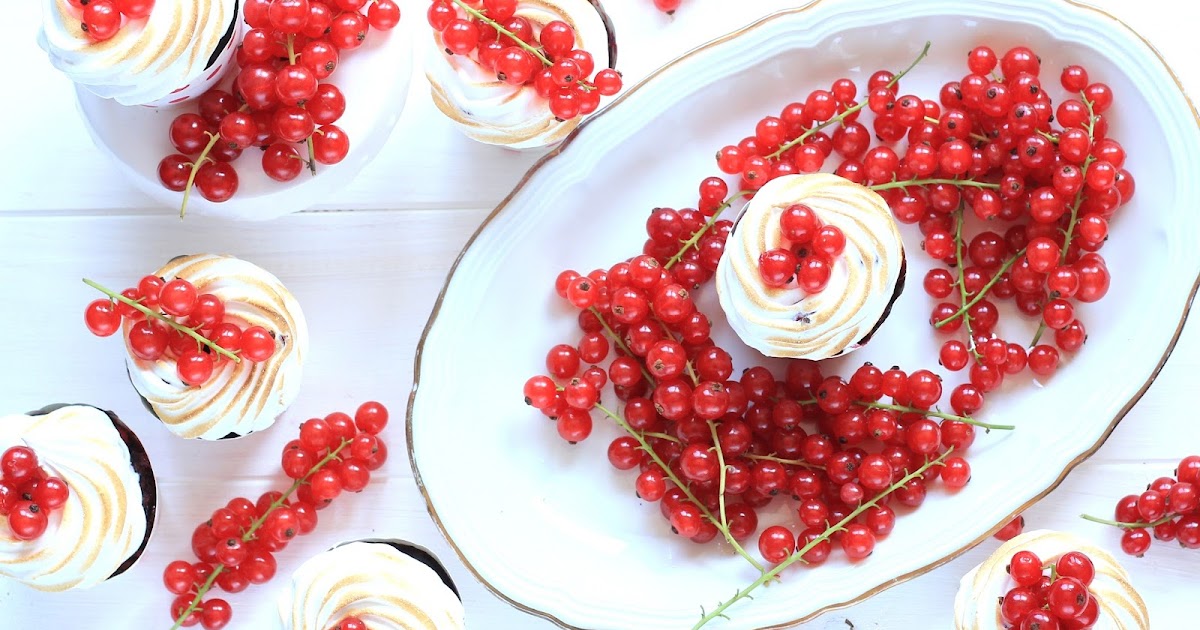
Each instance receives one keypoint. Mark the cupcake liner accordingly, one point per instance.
(416, 552)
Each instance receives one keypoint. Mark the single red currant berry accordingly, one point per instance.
(258, 344)
(1075, 564)
(776, 544)
(102, 318)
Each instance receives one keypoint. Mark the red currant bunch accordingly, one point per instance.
(174, 320)
(236, 546)
(807, 254)
(1050, 595)
(27, 495)
(714, 449)
(279, 99)
(522, 53)
(1168, 510)
(100, 20)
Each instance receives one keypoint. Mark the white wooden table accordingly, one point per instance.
(367, 277)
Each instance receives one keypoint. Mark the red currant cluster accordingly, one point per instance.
(1168, 510)
(277, 98)
(521, 54)
(27, 495)
(101, 19)
(173, 319)
(236, 545)
(713, 450)
(1054, 595)
(808, 260)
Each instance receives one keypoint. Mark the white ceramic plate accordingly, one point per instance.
(556, 531)
(374, 78)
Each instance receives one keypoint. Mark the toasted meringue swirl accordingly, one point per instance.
(976, 608)
(239, 397)
(386, 588)
(787, 322)
(102, 523)
(147, 59)
(492, 111)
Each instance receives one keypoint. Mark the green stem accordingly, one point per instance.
(291, 51)
(712, 428)
(1037, 335)
(790, 462)
(938, 414)
(620, 343)
(962, 285)
(929, 182)
(1105, 521)
(982, 292)
(166, 320)
(479, 15)
(695, 238)
(849, 111)
(682, 486)
(1083, 171)
(719, 611)
(187, 189)
(254, 527)
(662, 436)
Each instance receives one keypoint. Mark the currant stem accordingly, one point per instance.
(479, 15)
(870, 404)
(712, 428)
(695, 238)
(682, 486)
(798, 555)
(254, 527)
(291, 51)
(187, 190)
(166, 320)
(780, 460)
(982, 292)
(849, 111)
(1083, 170)
(945, 416)
(621, 343)
(962, 286)
(1105, 521)
(929, 182)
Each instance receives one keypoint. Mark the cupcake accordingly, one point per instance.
(864, 280)
(239, 397)
(103, 525)
(492, 111)
(1119, 607)
(174, 53)
(383, 583)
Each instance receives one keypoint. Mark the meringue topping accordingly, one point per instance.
(103, 522)
(787, 322)
(147, 60)
(492, 111)
(975, 605)
(239, 397)
(386, 588)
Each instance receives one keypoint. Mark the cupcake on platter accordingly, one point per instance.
(372, 584)
(216, 345)
(77, 497)
(140, 52)
(1045, 573)
(489, 86)
(812, 267)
